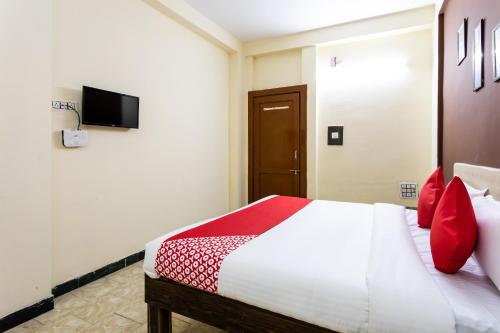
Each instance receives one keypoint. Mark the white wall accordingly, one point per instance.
(127, 187)
(380, 25)
(130, 186)
(236, 139)
(25, 84)
(309, 77)
(277, 70)
(267, 71)
(381, 93)
(291, 60)
(290, 68)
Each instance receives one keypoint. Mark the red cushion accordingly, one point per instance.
(429, 197)
(454, 229)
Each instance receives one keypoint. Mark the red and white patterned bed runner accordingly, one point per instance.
(194, 257)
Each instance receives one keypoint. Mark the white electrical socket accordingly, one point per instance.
(65, 105)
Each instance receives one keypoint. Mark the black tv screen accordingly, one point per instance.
(107, 108)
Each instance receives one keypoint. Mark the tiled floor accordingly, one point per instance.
(114, 303)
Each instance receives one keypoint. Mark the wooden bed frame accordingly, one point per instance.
(166, 296)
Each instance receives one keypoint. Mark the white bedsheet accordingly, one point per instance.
(473, 298)
(347, 267)
(311, 267)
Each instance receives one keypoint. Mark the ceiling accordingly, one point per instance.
(255, 19)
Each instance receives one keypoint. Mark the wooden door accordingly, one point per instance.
(277, 142)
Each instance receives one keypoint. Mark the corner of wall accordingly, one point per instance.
(309, 68)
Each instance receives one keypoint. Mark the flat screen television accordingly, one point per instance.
(107, 108)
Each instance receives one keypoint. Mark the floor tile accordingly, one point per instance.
(136, 270)
(51, 316)
(70, 301)
(143, 329)
(93, 313)
(120, 278)
(136, 311)
(201, 328)
(133, 290)
(111, 304)
(183, 318)
(96, 289)
(179, 326)
(63, 306)
(114, 323)
(68, 323)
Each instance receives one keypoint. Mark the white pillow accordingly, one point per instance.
(487, 211)
(474, 192)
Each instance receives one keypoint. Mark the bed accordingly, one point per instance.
(335, 267)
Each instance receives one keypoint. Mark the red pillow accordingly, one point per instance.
(454, 229)
(429, 197)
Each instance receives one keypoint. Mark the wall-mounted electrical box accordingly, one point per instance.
(65, 106)
(408, 190)
(335, 135)
(74, 138)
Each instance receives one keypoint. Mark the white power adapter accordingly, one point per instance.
(74, 138)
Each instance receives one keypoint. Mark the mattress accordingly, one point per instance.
(351, 268)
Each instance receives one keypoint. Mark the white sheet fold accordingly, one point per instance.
(474, 299)
(403, 297)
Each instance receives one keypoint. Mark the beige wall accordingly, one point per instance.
(381, 93)
(25, 226)
(277, 70)
(380, 25)
(292, 59)
(236, 139)
(309, 77)
(264, 72)
(130, 186)
(381, 83)
(282, 69)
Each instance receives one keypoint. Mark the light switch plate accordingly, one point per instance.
(408, 190)
(335, 135)
(74, 138)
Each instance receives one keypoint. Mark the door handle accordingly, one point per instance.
(295, 154)
(295, 172)
(276, 108)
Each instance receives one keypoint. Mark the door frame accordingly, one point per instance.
(302, 90)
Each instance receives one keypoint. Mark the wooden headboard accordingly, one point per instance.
(479, 177)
